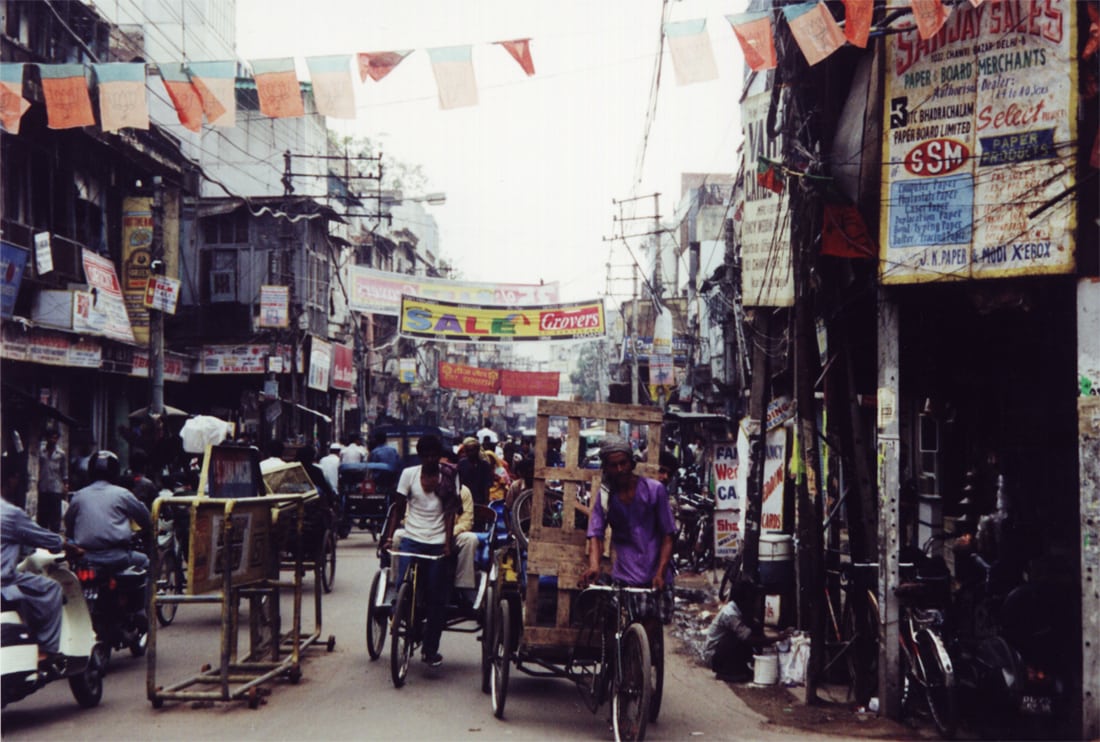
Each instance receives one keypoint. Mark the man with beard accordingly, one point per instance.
(428, 500)
(642, 530)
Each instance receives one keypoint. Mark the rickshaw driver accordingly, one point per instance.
(642, 532)
(429, 502)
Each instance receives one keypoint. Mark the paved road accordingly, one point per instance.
(342, 695)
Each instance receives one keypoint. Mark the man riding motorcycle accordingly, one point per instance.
(100, 515)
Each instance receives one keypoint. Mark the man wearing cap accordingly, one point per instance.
(642, 530)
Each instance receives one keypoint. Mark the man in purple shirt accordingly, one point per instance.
(642, 529)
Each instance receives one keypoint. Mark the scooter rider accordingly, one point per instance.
(38, 596)
(100, 514)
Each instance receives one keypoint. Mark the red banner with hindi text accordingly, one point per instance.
(529, 383)
(470, 378)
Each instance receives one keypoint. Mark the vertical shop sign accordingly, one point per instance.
(137, 254)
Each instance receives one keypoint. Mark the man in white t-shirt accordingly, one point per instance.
(428, 499)
(354, 452)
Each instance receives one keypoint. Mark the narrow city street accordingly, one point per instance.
(343, 695)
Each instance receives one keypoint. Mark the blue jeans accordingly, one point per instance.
(434, 586)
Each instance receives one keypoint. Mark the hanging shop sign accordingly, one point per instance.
(980, 136)
(406, 370)
(343, 367)
(766, 276)
(13, 261)
(451, 321)
(162, 294)
(775, 458)
(274, 306)
(104, 310)
(320, 364)
(380, 292)
(137, 255)
(470, 378)
(245, 359)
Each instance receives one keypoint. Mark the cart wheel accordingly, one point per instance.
(326, 565)
(488, 614)
(521, 517)
(401, 639)
(168, 583)
(376, 619)
(630, 698)
(331, 644)
(502, 656)
(657, 668)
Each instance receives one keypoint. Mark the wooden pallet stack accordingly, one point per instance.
(560, 550)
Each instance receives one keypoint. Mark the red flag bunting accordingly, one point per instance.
(216, 83)
(185, 97)
(470, 378)
(768, 175)
(930, 16)
(520, 49)
(377, 65)
(65, 89)
(844, 234)
(754, 34)
(277, 87)
(857, 21)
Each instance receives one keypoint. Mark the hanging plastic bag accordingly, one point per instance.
(793, 663)
(202, 431)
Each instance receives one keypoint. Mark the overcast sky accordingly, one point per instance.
(530, 173)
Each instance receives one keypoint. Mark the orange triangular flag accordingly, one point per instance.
(184, 96)
(377, 65)
(277, 87)
(857, 21)
(930, 16)
(520, 49)
(754, 34)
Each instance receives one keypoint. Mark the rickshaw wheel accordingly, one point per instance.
(376, 620)
(401, 640)
(327, 564)
(488, 622)
(657, 689)
(502, 657)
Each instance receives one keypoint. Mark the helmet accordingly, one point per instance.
(103, 465)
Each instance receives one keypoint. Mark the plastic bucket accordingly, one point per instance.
(776, 560)
(765, 668)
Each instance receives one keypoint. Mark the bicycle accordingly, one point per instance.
(928, 667)
(408, 616)
(170, 577)
(853, 639)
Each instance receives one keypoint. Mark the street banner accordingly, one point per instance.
(766, 276)
(343, 367)
(469, 323)
(980, 129)
(380, 292)
(529, 383)
(105, 313)
(775, 456)
(13, 261)
(137, 254)
(274, 306)
(12, 103)
(244, 359)
(470, 378)
(320, 364)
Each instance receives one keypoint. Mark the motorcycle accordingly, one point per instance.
(116, 599)
(84, 659)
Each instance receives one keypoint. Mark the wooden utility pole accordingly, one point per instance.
(156, 316)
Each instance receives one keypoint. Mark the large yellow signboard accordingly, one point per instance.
(451, 321)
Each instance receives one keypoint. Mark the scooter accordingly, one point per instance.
(84, 659)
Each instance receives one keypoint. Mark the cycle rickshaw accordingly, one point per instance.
(545, 622)
(318, 524)
(398, 609)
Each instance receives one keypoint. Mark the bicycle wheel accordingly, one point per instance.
(168, 582)
(521, 517)
(376, 619)
(939, 683)
(630, 697)
(657, 668)
(401, 635)
(326, 564)
(502, 657)
(729, 576)
(488, 624)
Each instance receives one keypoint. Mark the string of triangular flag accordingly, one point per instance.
(207, 90)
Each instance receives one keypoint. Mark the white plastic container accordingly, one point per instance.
(765, 668)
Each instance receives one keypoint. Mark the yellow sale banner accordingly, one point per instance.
(451, 321)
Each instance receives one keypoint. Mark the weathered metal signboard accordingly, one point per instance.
(980, 135)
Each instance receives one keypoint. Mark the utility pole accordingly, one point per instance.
(657, 277)
(156, 317)
(634, 339)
